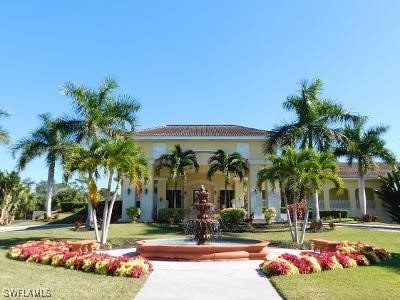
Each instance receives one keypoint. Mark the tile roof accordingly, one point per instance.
(201, 130)
(350, 171)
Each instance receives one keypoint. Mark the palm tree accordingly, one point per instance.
(228, 164)
(122, 158)
(328, 172)
(364, 146)
(99, 112)
(118, 158)
(48, 139)
(314, 127)
(315, 118)
(4, 137)
(178, 162)
(299, 173)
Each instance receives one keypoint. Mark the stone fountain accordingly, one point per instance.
(202, 228)
(200, 243)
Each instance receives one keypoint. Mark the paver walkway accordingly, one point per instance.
(219, 280)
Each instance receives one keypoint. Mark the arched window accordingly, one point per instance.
(339, 200)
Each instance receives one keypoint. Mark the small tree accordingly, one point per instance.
(228, 164)
(389, 192)
(178, 162)
(299, 175)
(119, 158)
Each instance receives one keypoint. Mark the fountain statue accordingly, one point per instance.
(202, 228)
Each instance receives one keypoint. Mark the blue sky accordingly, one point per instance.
(195, 62)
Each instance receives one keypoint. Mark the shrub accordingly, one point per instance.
(165, 213)
(269, 215)
(316, 226)
(233, 216)
(133, 213)
(279, 266)
(369, 218)
(389, 192)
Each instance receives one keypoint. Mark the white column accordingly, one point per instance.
(162, 193)
(255, 195)
(146, 200)
(128, 199)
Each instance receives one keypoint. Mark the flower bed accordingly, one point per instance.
(347, 255)
(58, 253)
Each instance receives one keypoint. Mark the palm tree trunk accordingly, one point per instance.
(90, 220)
(361, 193)
(303, 232)
(288, 215)
(96, 230)
(175, 192)
(107, 222)
(316, 216)
(310, 141)
(4, 209)
(226, 195)
(105, 210)
(49, 188)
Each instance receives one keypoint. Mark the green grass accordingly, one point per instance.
(375, 282)
(71, 284)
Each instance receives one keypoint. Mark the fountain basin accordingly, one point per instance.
(187, 249)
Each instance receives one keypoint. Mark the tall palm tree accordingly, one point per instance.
(100, 112)
(365, 146)
(4, 137)
(315, 126)
(229, 164)
(48, 139)
(178, 162)
(315, 121)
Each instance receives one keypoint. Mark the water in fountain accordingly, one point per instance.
(202, 228)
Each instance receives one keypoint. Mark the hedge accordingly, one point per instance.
(232, 216)
(332, 213)
(165, 213)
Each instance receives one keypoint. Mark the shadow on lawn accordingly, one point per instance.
(7, 243)
(392, 264)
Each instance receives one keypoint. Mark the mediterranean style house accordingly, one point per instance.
(204, 140)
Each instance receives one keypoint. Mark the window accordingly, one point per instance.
(174, 202)
(229, 197)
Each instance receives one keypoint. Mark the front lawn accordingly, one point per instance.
(69, 284)
(378, 282)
